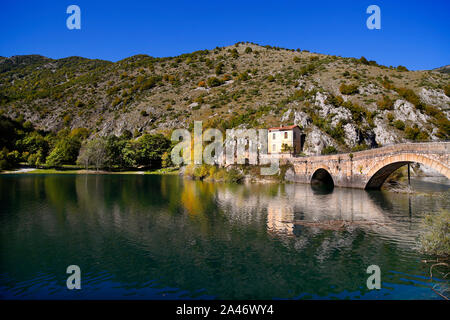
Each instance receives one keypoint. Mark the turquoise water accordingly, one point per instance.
(161, 237)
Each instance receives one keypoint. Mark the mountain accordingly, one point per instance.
(444, 69)
(345, 102)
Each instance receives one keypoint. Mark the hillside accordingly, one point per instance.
(345, 102)
(444, 69)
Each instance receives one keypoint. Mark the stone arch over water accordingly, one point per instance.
(382, 170)
(322, 176)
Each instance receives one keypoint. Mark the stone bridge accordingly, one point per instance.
(369, 169)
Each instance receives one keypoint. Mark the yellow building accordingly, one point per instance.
(288, 139)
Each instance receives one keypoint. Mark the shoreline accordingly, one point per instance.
(399, 187)
(84, 171)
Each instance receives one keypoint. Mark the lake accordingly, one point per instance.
(162, 237)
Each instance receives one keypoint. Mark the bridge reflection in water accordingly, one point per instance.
(293, 207)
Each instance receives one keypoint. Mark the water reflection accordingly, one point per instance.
(163, 237)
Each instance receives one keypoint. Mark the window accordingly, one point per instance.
(273, 148)
(273, 137)
(285, 135)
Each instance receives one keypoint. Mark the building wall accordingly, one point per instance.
(297, 141)
(284, 137)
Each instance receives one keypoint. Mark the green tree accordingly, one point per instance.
(129, 154)
(114, 150)
(33, 143)
(65, 151)
(150, 148)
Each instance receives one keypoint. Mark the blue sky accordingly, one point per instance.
(415, 34)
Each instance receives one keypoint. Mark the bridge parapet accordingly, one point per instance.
(370, 168)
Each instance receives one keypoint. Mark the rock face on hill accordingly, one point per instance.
(344, 102)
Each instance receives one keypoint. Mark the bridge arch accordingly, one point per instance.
(322, 175)
(383, 169)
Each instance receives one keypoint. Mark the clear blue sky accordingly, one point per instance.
(413, 33)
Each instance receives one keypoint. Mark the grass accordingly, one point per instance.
(168, 171)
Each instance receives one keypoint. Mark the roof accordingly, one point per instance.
(283, 128)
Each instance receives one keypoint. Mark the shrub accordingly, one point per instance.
(219, 69)
(447, 90)
(144, 113)
(234, 176)
(287, 148)
(79, 104)
(402, 68)
(443, 128)
(360, 147)
(297, 59)
(116, 101)
(399, 124)
(386, 103)
(67, 119)
(390, 117)
(79, 133)
(432, 111)
(348, 89)
(363, 60)
(335, 100)
(243, 76)
(202, 84)
(329, 150)
(166, 160)
(308, 69)
(387, 83)
(414, 133)
(201, 172)
(8, 160)
(248, 50)
(435, 239)
(409, 95)
(4, 164)
(214, 82)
